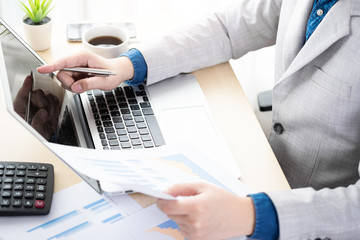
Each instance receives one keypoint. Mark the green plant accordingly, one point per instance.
(38, 10)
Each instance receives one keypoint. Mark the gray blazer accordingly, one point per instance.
(316, 101)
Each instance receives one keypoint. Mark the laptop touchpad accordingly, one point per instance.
(191, 124)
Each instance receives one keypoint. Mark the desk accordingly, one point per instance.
(232, 113)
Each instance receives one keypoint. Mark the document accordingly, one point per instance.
(78, 212)
(148, 171)
(74, 211)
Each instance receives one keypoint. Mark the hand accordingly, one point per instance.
(44, 110)
(79, 83)
(209, 212)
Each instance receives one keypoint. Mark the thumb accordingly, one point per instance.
(90, 83)
(39, 123)
(185, 189)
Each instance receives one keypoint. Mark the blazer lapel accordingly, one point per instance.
(334, 26)
(295, 35)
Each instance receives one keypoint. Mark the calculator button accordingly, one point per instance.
(6, 194)
(20, 173)
(32, 167)
(29, 195)
(7, 186)
(28, 204)
(37, 174)
(39, 204)
(18, 194)
(8, 180)
(40, 195)
(30, 181)
(41, 181)
(10, 167)
(5, 202)
(43, 168)
(9, 173)
(18, 187)
(29, 187)
(21, 167)
(40, 188)
(19, 180)
(17, 203)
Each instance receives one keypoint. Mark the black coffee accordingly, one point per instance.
(105, 41)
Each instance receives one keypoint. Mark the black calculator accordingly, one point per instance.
(26, 188)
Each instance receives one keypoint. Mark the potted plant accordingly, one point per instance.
(37, 24)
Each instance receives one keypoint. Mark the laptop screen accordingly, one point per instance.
(36, 98)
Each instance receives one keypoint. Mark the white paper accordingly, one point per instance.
(149, 171)
(75, 209)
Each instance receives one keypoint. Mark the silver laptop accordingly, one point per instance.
(124, 119)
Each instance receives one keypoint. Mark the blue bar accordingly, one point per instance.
(168, 224)
(99, 206)
(71, 231)
(94, 203)
(112, 218)
(55, 221)
(117, 220)
(103, 209)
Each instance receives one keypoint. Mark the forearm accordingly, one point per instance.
(309, 214)
(245, 26)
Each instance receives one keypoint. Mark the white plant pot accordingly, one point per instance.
(38, 36)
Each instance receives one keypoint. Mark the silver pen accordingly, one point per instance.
(91, 71)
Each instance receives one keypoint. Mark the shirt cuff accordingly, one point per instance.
(266, 219)
(139, 64)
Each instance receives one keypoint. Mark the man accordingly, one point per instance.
(316, 110)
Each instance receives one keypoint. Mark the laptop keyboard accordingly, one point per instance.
(124, 118)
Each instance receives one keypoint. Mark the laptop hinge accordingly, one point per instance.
(83, 121)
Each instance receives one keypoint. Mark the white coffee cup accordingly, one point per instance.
(106, 40)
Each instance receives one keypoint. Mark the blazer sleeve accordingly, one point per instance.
(325, 214)
(245, 26)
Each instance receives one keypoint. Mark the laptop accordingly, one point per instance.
(124, 119)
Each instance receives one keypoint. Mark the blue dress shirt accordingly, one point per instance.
(139, 64)
(319, 10)
(266, 219)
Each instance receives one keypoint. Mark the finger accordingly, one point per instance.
(53, 110)
(91, 83)
(177, 207)
(76, 60)
(39, 123)
(184, 231)
(185, 189)
(180, 219)
(66, 79)
(83, 58)
(26, 87)
(21, 98)
(39, 99)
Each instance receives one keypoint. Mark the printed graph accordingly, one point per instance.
(97, 212)
(168, 228)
